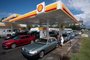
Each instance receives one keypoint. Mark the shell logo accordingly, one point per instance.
(40, 8)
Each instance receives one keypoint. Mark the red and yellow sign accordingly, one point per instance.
(41, 7)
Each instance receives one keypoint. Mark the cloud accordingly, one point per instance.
(83, 5)
(80, 8)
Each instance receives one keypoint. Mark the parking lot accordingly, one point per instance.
(15, 54)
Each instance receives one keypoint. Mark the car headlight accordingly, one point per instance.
(32, 52)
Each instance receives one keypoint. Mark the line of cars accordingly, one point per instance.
(23, 38)
(40, 47)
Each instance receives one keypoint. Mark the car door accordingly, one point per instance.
(31, 37)
(28, 39)
(54, 43)
(17, 40)
(49, 45)
(24, 40)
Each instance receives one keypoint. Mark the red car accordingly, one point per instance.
(18, 41)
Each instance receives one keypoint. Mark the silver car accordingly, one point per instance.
(40, 47)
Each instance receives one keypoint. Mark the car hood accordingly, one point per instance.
(8, 41)
(33, 47)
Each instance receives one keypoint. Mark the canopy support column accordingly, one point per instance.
(11, 27)
(47, 29)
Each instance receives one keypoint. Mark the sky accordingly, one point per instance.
(8, 7)
(80, 8)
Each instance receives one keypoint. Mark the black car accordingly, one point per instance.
(66, 36)
(37, 34)
(53, 34)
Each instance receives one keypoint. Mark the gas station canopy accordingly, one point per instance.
(53, 13)
(10, 17)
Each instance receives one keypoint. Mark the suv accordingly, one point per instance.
(7, 32)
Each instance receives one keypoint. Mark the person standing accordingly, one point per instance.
(62, 40)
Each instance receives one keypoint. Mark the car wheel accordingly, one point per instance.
(32, 42)
(41, 54)
(13, 46)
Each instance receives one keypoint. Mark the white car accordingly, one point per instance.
(67, 30)
(6, 32)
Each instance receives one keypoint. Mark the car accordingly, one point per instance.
(78, 32)
(7, 32)
(36, 33)
(53, 33)
(40, 47)
(18, 41)
(72, 35)
(67, 30)
(68, 36)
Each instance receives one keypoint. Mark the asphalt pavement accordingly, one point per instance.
(10, 54)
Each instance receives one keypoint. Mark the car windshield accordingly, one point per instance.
(42, 41)
(51, 33)
(16, 38)
(64, 35)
